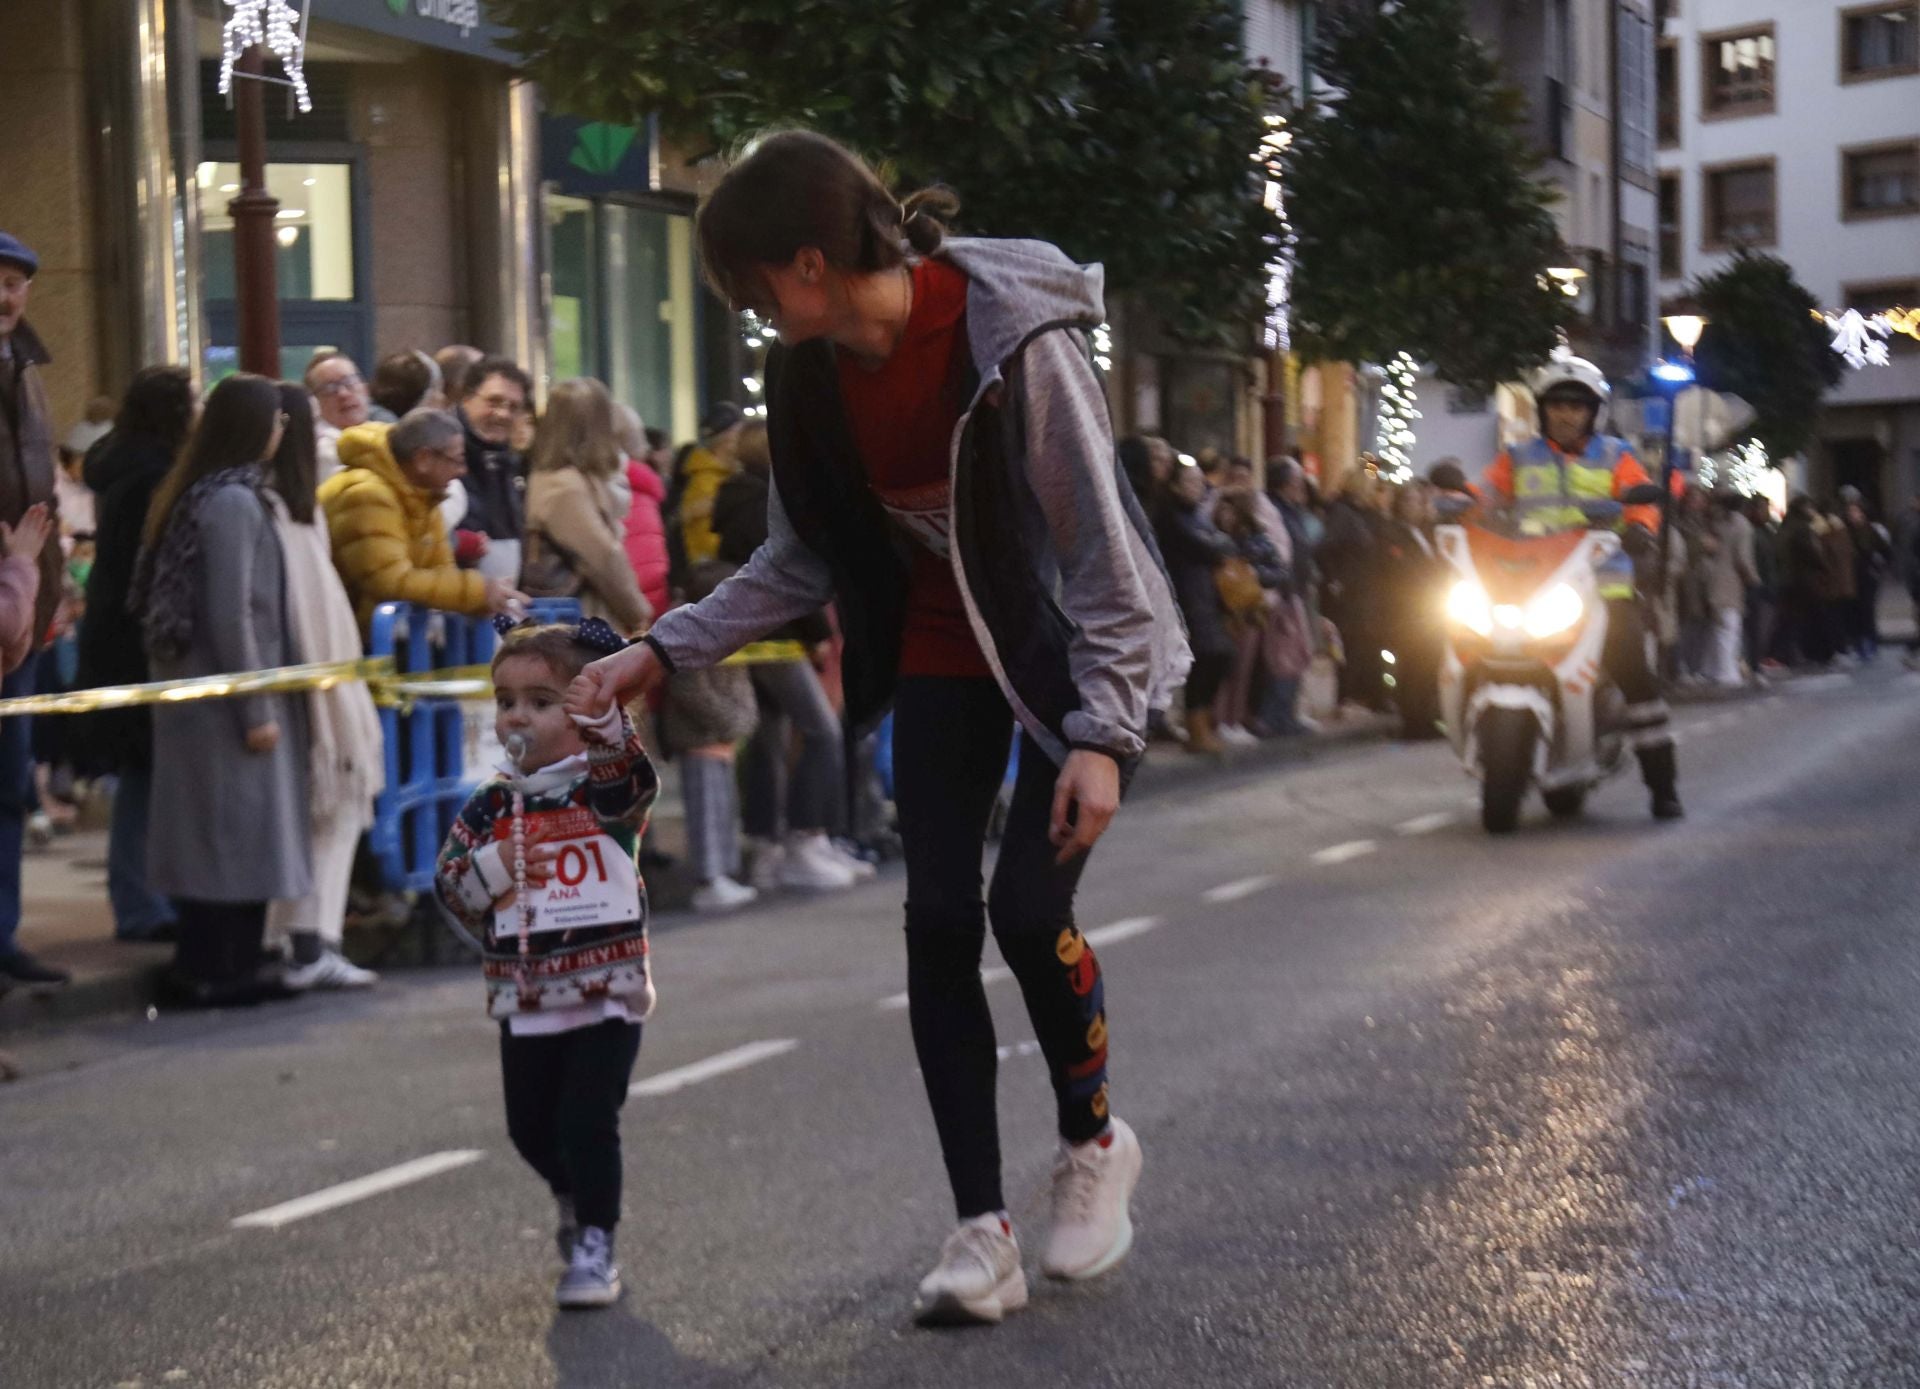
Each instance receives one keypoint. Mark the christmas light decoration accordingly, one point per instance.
(1276, 333)
(1744, 468)
(1394, 435)
(1103, 347)
(1862, 338)
(275, 24)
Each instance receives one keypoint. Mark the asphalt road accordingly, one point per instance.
(1601, 1104)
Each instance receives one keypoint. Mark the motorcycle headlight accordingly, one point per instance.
(1553, 611)
(1468, 605)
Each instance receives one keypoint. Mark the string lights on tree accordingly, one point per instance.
(1276, 332)
(274, 24)
(1744, 468)
(1393, 435)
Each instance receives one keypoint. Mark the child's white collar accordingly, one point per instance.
(549, 778)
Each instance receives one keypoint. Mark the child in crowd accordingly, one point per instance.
(540, 865)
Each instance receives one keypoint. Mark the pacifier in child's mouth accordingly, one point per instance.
(516, 746)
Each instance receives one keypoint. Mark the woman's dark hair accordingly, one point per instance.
(234, 430)
(794, 188)
(296, 463)
(402, 381)
(158, 405)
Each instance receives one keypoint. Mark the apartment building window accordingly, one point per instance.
(1737, 73)
(1672, 263)
(1666, 80)
(1879, 41)
(1880, 180)
(1878, 298)
(1635, 94)
(1739, 205)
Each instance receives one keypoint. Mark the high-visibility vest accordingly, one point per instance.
(1549, 485)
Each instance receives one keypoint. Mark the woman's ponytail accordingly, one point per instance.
(924, 217)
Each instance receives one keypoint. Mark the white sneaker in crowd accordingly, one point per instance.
(1092, 1184)
(764, 860)
(812, 865)
(863, 871)
(978, 1278)
(331, 971)
(723, 894)
(1236, 736)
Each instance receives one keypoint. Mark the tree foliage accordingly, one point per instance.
(1765, 343)
(1122, 130)
(1418, 222)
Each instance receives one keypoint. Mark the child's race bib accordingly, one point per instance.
(593, 883)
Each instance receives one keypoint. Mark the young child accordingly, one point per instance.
(540, 865)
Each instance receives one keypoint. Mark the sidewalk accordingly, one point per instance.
(67, 922)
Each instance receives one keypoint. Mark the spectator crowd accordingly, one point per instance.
(165, 536)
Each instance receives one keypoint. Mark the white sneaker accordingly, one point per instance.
(592, 1278)
(766, 857)
(331, 971)
(863, 871)
(1235, 736)
(1092, 1227)
(978, 1278)
(812, 865)
(723, 894)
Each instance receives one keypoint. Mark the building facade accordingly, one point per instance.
(1793, 127)
(416, 207)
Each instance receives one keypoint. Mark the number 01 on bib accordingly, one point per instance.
(594, 880)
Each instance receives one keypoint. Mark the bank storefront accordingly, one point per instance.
(624, 302)
(408, 194)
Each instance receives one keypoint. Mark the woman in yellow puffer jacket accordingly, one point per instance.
(389, 541)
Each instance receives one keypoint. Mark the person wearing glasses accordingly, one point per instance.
(384, 523)
(340, 401)
(498, 399)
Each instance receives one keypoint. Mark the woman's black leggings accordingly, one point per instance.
(564, 1091)
(951, 737)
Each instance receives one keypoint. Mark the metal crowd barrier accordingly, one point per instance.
(437, 748)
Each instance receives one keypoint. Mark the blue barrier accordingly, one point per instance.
(428, 779)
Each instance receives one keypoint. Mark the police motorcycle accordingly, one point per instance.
(1523, 695)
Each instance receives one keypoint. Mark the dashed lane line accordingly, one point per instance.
(727, 1061)
(359, 1189)
(1344, 853)
(1237, 890)
(1426, 824)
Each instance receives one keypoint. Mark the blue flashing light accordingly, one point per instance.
(1675, 372)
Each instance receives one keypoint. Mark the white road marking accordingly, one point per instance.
(739, 1058)
(1027, 1048)
(1121, 930)
(895, 1003)
(1342, 853)
(1426, 824)
(373, 1184)
(1241, 888)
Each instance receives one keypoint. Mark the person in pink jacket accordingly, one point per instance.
(20, 582)
(646, 538)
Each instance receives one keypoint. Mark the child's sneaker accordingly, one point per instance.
(591, 1279)
(1092, 1184)
(978, 1278)
(566, 1233)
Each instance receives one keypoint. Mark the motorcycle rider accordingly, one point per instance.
(1544, 480)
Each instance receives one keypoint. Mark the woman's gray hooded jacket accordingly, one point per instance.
(1063, 585)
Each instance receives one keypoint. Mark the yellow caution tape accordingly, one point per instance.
(388, 686)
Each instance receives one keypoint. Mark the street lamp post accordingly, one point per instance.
(255, 211)
(1671, 379)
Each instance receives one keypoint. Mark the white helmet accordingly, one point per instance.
(1565, 371)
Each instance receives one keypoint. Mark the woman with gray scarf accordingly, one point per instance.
(230, 798)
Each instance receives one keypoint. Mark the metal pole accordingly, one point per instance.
(254, 212)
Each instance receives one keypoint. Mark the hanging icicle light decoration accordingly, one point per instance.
(274, 23)
(1394, 436)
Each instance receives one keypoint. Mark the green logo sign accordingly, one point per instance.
(399, 7)
(600, 147)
